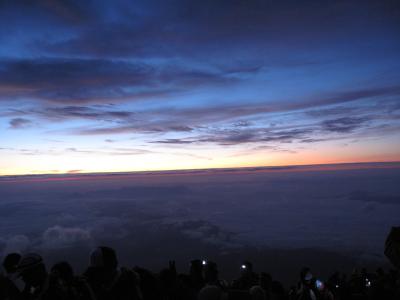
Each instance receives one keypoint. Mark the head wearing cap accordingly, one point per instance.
(29, 261)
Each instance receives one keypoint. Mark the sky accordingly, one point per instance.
(107, 86)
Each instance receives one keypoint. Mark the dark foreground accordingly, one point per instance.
(27, 277)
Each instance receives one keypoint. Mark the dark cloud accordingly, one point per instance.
(194, 29)
(180, 128)
(232, 138)
(52, 11)
(95, 80)
(172, 141)
(84, 112)
(366, 93)
(241, 69)
(71, 112)
(313, 140)
(70, 80)
(198, 120)
(227, 112)
(344, 125)
(19, 123)
(242, 123)
(136, 128)
(237, 137)
(257, 136)
(171, 119)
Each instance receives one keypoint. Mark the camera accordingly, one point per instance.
(367, 282)
(319, 284)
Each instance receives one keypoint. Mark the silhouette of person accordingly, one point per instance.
(10, 285)
(193, 282)
(257, 293)
(149, 284)
(63, 285)
(247, 279)
(196, 274)
(210, 292)
(172, 288)
(306, 287)
(106, 281)
(33, 272)
(266, 284)
(211, 277)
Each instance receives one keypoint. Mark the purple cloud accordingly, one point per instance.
(19, 123)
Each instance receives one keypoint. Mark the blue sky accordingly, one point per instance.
(146, 85)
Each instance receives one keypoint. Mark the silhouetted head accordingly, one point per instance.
(32, 269)
(210, 292)
(63, 271)
(10, 262)
(306, 277)
(104, 258)
(246, 267)
(196, 267)
(257, 293)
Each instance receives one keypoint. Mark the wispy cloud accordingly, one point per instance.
(67, 80)
(20, 123)
(118, 151)
(344, 124)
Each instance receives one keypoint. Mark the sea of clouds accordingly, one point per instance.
(280, 218)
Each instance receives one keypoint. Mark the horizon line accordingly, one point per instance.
(161, 171)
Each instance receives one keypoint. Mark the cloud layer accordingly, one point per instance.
(227, 214)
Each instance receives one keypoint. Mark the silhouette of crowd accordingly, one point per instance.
(26, 277)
